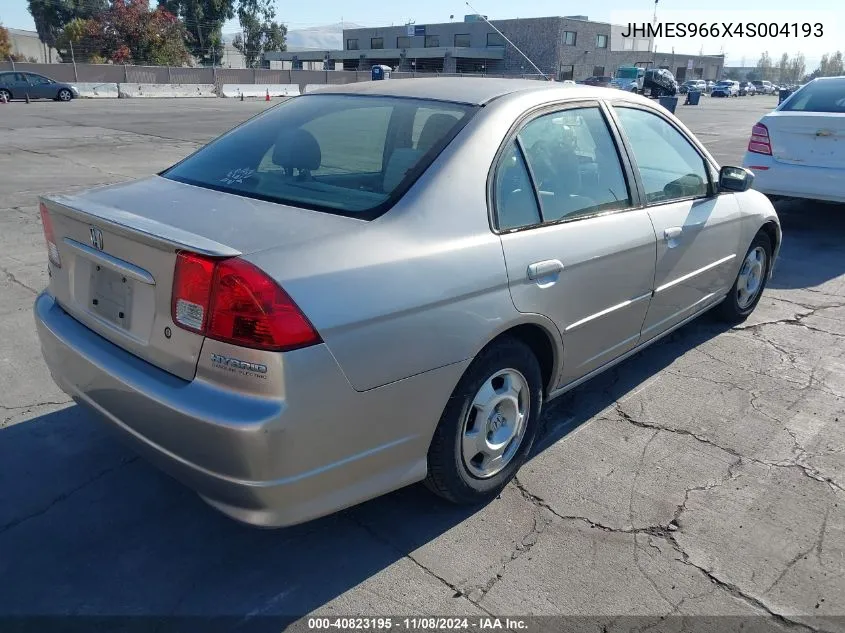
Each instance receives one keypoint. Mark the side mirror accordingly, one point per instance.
(735, 179)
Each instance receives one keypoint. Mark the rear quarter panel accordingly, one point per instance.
(421, 287)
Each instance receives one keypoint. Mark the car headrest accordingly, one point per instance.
(297, 149)
(435, 128)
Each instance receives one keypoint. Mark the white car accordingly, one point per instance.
(798, 149)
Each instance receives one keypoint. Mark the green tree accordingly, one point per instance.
(130, 33)
(783, 69)
(797, 68)
(259, 30)
(51, 16)
(830, 65)
(203, 21)
(5, 44)
(764, 67)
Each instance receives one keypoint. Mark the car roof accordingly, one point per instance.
(469, 90)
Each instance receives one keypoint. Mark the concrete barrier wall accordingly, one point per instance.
(313, 87)
(259, 90)
(131, 90)
(90, 90)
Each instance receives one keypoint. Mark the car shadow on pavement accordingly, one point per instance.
(86, 527)
(813, 249)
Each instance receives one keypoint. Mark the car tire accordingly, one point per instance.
(7, 94)
(64, 95)
(755, 267)
(502, 369)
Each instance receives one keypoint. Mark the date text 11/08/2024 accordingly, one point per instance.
(416, 624)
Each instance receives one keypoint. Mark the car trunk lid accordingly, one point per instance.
(808, 138)
(118, 248)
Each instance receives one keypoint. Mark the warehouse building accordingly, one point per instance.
(562, 47)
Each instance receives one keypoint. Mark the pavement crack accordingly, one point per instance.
(11, 277)
(457, 591)
(66, 495)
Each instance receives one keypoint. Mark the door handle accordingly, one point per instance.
(672, 233)
(544, 269)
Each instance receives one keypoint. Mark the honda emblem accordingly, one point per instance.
(96, 238)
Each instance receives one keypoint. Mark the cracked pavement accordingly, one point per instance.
(704, 476)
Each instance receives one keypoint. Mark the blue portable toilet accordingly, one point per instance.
(381, 72)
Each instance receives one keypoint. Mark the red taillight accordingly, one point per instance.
(231, 300)
(759, 143)
(191, 295)
(50, 236)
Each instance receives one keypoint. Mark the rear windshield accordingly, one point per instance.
(343, 154)
(820, 96)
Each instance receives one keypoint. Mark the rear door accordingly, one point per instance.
(576, 249)
(697, 232)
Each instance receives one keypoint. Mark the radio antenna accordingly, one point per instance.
(528, 59)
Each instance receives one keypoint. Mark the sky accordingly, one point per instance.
(14, 14)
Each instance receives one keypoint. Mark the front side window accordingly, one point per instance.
(37, 80)
(669, 166)
(574, 163)
(350, 155)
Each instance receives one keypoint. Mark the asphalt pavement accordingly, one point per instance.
(704, 476)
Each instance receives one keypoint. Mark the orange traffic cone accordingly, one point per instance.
(267, 98)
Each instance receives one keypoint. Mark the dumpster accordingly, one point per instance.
(692, 97)
(670, 103)
(380, 72)
(783, 95)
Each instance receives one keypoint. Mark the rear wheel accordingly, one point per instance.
(488, 426)
(5, 95)
(750, 282)
(65, 95)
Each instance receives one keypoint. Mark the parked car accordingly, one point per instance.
(746, 88)
(659, 82)
(725, 88)
(277, 321)
(598, 81)
(796, 150)
(764, 87)
(693, 84)
(17, 85)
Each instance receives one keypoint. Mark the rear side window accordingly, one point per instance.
(820, 96)
(575, 164)
(343, 154)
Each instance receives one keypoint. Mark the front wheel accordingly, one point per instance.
(65, 95)
(5, 95)
(750, 282)
(488, 426)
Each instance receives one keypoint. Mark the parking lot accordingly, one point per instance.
(704, 476)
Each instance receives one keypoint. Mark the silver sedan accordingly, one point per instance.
(383, 283)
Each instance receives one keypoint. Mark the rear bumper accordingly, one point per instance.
(316, 448)
(795, 181)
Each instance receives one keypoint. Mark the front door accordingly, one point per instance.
(575, 249)
(41, 87)
(697, 232)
